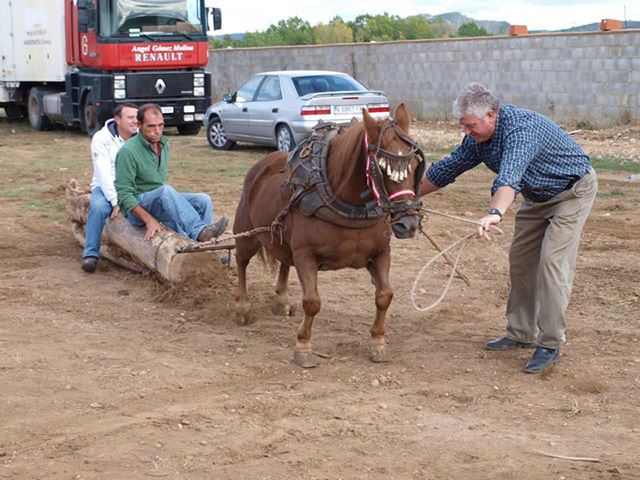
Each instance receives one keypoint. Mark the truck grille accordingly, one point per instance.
(159, 85)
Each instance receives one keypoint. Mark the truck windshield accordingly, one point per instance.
(134, 18)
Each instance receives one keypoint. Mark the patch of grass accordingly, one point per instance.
(584, 125)
(616, 192)
(616, 164)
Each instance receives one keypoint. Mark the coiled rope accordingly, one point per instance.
(462, 241)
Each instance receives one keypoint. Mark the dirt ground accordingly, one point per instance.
(112, 376)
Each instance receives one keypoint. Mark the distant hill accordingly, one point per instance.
(593, 27)
(456, 19)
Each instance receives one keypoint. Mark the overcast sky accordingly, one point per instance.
(239, 16)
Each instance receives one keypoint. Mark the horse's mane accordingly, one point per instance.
(346, 160)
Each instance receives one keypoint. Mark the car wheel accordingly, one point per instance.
(217, 137)
(284, 139)
(37, 118)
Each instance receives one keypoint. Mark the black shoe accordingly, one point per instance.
(542, 358)
(89, 264)
(505, 343)
(213, 231)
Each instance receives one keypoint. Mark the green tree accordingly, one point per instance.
(380, 28)
(336, 31)
(417, 27)
(472, 30)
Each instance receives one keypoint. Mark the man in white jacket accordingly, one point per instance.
(104, 201)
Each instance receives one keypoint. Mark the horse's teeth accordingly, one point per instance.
(389, 170)
(382, 163)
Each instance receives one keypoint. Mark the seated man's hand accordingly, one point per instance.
(153, 227)
(115, 212)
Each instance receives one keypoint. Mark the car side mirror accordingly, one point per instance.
(227, 98)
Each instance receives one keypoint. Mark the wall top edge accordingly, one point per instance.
(439, 40)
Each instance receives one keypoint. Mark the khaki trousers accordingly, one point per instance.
(542, 262)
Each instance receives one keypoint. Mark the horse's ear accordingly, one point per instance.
(402, 117)
(371, 126)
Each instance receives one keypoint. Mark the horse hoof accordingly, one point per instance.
(378, 354)
(304, 359)
(283, 310)
(246, 319)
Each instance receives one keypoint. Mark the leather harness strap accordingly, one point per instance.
(308, 186)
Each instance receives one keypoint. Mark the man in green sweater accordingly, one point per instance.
(142, 165)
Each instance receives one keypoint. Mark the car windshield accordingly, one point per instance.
(143, 17)
(325, 83)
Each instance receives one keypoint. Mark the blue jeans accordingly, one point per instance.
(184, 213)
(99, 210)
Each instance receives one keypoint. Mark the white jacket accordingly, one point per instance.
(104, 146)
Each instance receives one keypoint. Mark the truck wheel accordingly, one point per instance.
(217, 137)
(284, 139)
(90, 123)
(189, 129)
(37, 118)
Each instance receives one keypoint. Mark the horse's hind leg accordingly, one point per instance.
(379, 269)
(281, 304)
(246, 248)
(307, 270)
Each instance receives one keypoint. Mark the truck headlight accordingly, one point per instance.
(198, 81)
(119, 94)
(198, 91)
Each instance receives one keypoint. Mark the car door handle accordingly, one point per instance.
(245, 109)
(274, 110)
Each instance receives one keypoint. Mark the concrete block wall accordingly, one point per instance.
(573, 77)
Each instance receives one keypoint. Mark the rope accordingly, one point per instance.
(462, 241)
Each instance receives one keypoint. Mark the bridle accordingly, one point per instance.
(397, 168)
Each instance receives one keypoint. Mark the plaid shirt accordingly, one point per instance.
(528, 152)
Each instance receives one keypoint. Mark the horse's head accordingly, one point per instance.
(395, 166)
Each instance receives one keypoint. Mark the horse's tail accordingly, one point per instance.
(269, 260)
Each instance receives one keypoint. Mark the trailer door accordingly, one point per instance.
(7, 46)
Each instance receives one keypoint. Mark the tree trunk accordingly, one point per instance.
(124, 244)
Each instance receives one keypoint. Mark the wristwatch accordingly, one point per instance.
(495, 211)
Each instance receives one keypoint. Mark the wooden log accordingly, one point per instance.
(124, 244)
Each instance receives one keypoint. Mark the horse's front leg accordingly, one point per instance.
(379, 269)
(307, 269)
(281, 303)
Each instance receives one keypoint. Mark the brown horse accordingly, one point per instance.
(370, 156)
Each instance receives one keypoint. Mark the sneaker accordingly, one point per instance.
(213, 231)
(505, 343)
(542, 358)
(89, 264)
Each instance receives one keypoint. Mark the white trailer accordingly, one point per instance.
(32, 45)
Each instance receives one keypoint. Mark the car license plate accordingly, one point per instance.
(347, 109)
(167, 110)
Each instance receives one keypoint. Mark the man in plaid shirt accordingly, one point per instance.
(533, 156)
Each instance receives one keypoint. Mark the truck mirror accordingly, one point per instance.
(217, 18)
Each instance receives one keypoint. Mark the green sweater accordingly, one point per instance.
(137, 170)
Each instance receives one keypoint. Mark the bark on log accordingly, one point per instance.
(124, 244)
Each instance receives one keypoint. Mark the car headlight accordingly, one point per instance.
(198, 91)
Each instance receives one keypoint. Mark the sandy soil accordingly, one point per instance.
(111, 376)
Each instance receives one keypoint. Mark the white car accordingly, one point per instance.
(280, 108)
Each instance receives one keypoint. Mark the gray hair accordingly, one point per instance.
(476, 100)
